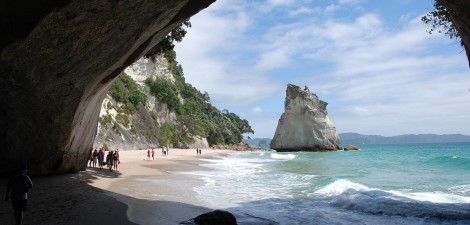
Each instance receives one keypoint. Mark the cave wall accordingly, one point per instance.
(56, 65)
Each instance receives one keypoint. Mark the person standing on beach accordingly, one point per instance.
(95, 157)
(90, 157)
(148, 154)
(153, 154)
(110, 160)
(17, 190)
(100, 158)
(116, 159)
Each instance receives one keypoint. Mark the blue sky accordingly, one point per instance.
(371, 60)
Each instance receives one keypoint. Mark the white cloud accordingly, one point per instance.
(257, 109)
(280, 2)
(272, 60)
(361, 111)
(303, 10)
(208, 53)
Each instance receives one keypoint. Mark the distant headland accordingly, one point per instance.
(362, 139)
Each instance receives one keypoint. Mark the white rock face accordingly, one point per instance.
(304, 125)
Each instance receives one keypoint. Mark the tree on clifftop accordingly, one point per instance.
(441, 21)
(176, 35)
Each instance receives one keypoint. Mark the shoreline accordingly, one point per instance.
(96, 196)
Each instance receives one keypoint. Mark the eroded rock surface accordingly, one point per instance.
(304, 125)
(57, 62)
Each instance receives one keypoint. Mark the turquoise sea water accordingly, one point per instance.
(379, 184)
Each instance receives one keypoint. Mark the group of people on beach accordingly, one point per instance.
(111, 161)
(151, 153)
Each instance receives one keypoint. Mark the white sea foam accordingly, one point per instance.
(349, 195)
(341, 186)
(282, 156)
(461, 189)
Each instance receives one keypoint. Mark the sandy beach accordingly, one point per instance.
(97, 196)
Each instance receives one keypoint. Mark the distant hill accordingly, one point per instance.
(361, 139)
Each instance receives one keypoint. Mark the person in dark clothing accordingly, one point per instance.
(17, 190)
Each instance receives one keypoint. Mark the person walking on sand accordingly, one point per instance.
(100, 158)
(116, 159)
(153, 154)
(17, 190)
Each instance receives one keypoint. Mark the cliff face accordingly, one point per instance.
(138, 130)
(304, 126)
(57, 63)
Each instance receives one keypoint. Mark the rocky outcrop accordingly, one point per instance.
(236, 147)
(460, 12)
(139, 130)
(304, 125)
(57, 63)
(350, 148)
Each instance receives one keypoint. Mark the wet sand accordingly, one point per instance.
(97, 196)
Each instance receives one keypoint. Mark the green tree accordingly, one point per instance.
(127, 91)
(165, 91)
(167, 134)
(176, 35)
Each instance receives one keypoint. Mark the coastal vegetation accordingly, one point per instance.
(128, 92)
(196, 115)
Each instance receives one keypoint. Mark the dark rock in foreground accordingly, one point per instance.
(217, 217)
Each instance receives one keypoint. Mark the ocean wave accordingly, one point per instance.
(450, 161)
(349, 195)
(461, 189)
(282, 156)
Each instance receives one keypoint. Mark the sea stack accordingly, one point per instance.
(304, 125)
